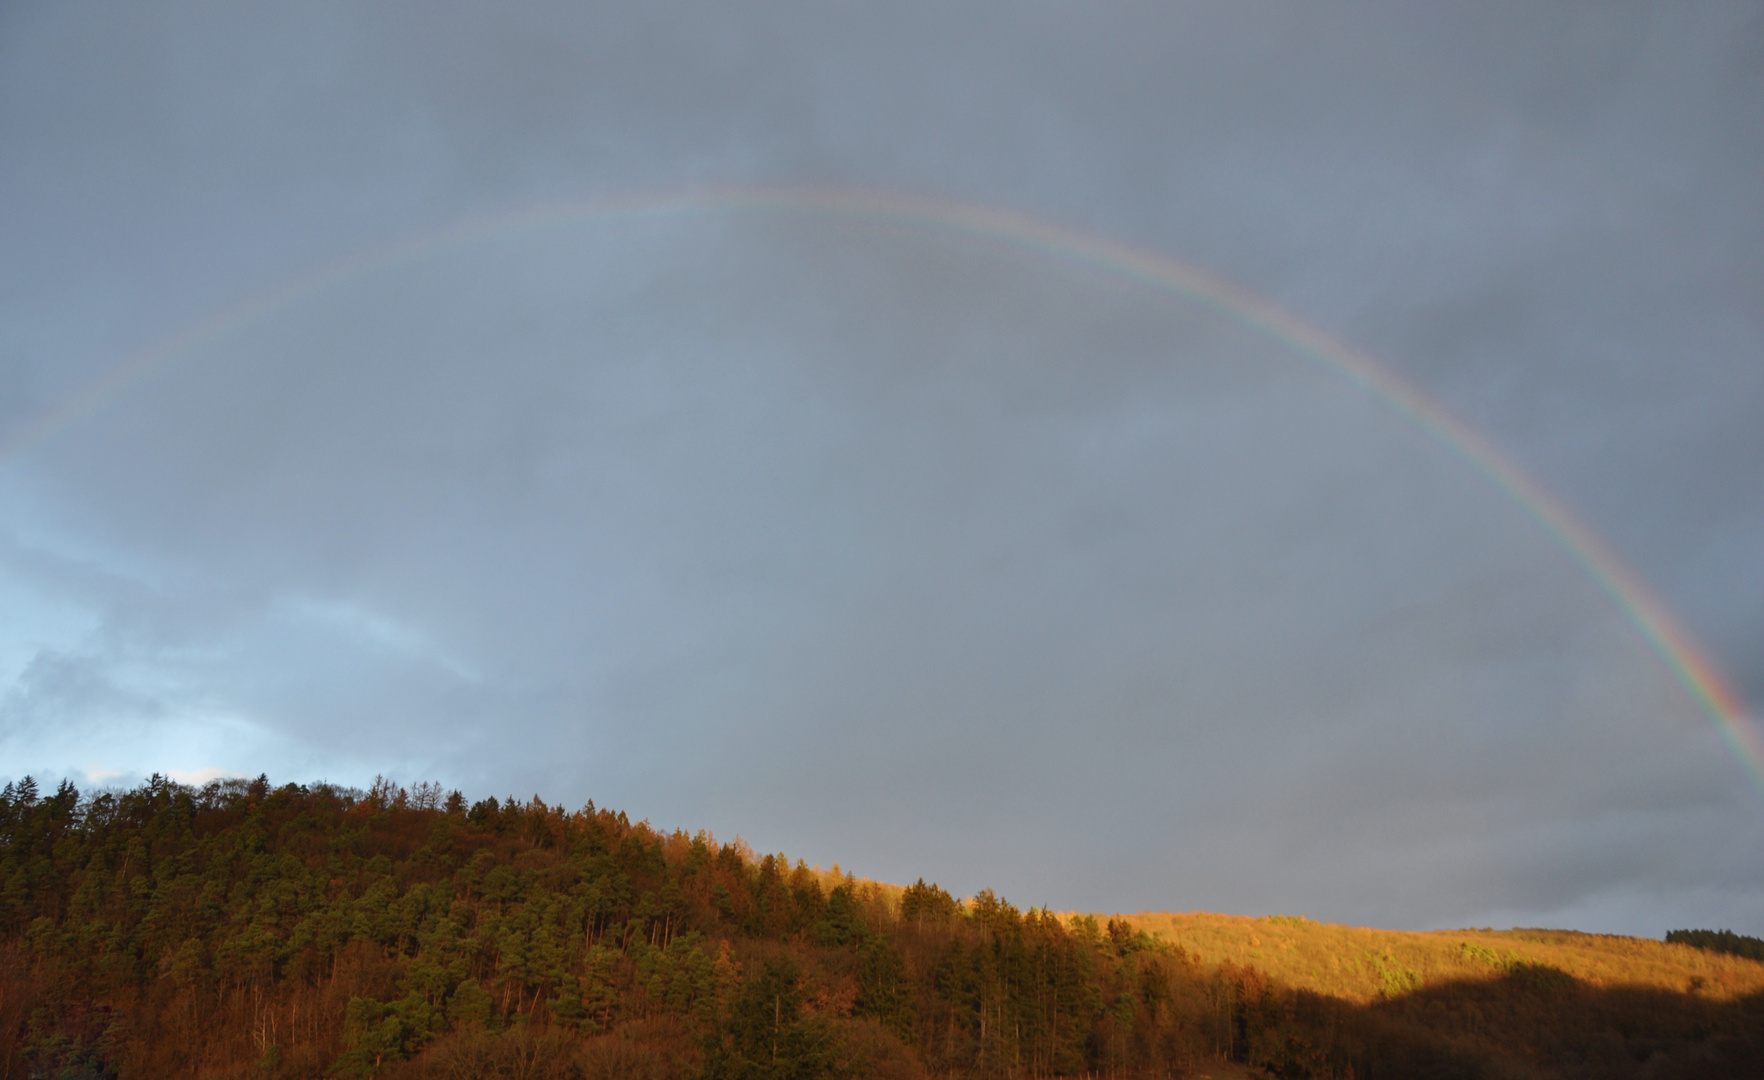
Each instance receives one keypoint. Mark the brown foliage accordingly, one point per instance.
(292, 934)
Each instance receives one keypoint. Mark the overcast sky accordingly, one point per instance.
(881, 543)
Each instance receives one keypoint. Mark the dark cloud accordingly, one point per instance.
(882, 544)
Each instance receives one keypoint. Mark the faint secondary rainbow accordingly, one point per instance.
(1645, 612)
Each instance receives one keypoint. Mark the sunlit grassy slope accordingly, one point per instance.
(1364, 965)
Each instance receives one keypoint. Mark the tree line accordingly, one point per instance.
(1721, 941)
(302, 931)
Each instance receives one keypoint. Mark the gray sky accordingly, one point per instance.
(877, 542)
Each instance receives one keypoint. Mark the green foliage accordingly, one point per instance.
(1540, 978)
(1536, 977)
(1125, 940)
(1721, 941)
(470, 1005)
(378, 1031)
(763, 1034)
(1397, 980)
(1483, 954)
(680, 977)
(921, 903)
(843, 923)
(885, 988)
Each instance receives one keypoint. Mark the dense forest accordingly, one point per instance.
(244, 930)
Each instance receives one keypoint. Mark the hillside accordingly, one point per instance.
(1365, 965)
(244, 930)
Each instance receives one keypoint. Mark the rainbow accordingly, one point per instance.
(1670, 641)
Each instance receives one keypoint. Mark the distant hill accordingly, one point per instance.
(1363, 965)
(244, 930)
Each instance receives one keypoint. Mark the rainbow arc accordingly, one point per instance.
(1649, 616)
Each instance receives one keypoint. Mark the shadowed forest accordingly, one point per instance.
(240, 930)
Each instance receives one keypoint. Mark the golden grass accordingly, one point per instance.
(1362, 964)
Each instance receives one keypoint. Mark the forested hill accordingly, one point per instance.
(241, 930)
